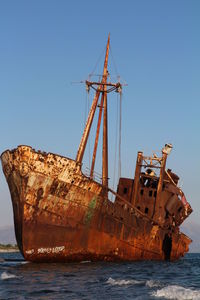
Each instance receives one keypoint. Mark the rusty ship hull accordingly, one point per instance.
(62, 215)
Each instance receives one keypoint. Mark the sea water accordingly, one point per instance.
(100, 280)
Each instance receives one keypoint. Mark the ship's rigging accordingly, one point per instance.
(102, 87)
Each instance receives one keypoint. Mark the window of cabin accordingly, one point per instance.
(141, 192)
(146, 210)
(150, 193)
(155, 194)
(125, 190)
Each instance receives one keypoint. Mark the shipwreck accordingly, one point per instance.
(61, 214)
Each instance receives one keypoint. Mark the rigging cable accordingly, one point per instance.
(120, 117)
(98, 60)
(114, 63)
(89, 138)
(120, 134)
(116, 140)
(85, 113)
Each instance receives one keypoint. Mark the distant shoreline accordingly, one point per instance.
(8, 248)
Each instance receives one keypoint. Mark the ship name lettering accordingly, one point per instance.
(51, 250)
(31, 251)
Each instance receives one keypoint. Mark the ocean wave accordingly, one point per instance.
(5, 276)
(153, 283)
(25, 262)
(177, 292)
(121, 281)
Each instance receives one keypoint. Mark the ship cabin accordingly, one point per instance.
(157, 197)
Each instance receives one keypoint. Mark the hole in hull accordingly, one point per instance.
(167, 246)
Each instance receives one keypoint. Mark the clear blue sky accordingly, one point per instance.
(45, 45)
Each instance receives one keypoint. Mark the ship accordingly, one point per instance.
(62, 214)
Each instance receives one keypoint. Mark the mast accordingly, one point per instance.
(103, 105)
(105, 144)
(84, 139)
(103, 87)
(105, 122)
(83, 143)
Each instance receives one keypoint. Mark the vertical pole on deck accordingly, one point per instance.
(162, 172)
(105, 124)
(137, 177)
(159, 205)
(96, 138)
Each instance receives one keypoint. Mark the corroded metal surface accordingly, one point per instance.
(62, 215)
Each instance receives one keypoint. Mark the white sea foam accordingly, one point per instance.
(5, 276)
(153, 283)
(121, 281)
(177, 292)
(25, 262)
(85, 262)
